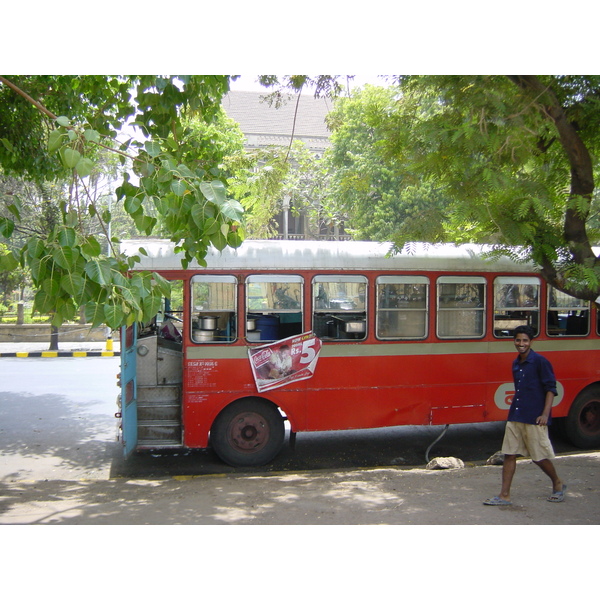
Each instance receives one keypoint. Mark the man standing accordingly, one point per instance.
(528, 418)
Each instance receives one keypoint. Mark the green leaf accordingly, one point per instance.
(70, 157)
(178, 187)
(184, 171)
(152, 148)
(232, 209)
(63, 121)
(72, 283)
(84, 167)
(211, 226)
(54, 140)
(91, 246)
(214, 191)
(91, 135)
(98, 271)
(38, 269)
(6, 143)
(6, 227)
(43, 303)
(151, 305)
(67, 237)
(51, 286)
(132, 204)
(144, 223)
(119, 280)
(162, 284)
(14, 210)
(218, 240)
(94, 313)
(8, 262)
(114, 315)
(64, 257)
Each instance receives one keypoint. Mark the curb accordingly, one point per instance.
(58, 354)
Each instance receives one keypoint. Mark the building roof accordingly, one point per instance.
(264, 124)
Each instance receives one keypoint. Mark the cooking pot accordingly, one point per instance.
(208, 323)
(203, 336)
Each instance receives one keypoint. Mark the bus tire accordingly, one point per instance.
(248, 433)
(583, 422)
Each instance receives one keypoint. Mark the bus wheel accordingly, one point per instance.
(248, 433)
(583, 422)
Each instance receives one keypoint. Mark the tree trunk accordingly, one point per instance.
(582, 182)
(53, 338)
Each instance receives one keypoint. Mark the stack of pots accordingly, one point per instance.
(206, 333)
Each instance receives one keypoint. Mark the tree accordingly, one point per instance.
(512, 158)
(382, 199)
(53, 126)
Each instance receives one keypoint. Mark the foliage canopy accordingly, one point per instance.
(54, 127)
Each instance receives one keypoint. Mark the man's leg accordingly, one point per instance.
(508, 471)
(547, 466)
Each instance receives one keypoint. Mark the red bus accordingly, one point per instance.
(419, 338)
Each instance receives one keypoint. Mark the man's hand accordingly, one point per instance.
(542, 420)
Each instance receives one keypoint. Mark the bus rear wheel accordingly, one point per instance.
(583, 422)
(248, 433)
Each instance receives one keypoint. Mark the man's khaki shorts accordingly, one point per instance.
(527, 440)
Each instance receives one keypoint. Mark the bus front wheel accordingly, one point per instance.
(248, 433)
(583, 422)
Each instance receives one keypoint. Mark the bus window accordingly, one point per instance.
(516, 302)
(567, 315)
(273, 307)
(168, 322)
(214, 308)
(460, 307)
(402, 307)
(339, 307)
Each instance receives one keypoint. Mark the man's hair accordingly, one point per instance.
(526, 329)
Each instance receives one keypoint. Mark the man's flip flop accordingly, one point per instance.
(497, 501)
(558, 496)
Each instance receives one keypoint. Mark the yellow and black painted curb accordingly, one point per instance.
(58, 354)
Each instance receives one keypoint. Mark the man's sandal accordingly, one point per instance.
(558, 496)
(497, 501)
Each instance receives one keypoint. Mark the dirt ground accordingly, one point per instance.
(384, 495)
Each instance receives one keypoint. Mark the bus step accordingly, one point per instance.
(159, 412)
(158, 394)
(159, 432)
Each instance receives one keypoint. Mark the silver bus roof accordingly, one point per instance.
(269, 255)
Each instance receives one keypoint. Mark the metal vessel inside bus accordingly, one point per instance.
(417, 338)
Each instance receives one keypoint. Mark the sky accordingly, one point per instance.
(265, 36)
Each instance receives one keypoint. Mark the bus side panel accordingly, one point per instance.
(377, 391)
(211, 384)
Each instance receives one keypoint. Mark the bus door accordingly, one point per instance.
(129, 388)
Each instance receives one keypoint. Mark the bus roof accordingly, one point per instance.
(269, 255)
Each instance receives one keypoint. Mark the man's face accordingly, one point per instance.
(522, 344)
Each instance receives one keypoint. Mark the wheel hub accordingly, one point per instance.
(249, 432)
(590, 418)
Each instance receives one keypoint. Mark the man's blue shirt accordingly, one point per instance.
(533, 378)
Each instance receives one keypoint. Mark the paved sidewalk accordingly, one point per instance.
(65, 349)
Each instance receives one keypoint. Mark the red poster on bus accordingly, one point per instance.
(285, 361)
